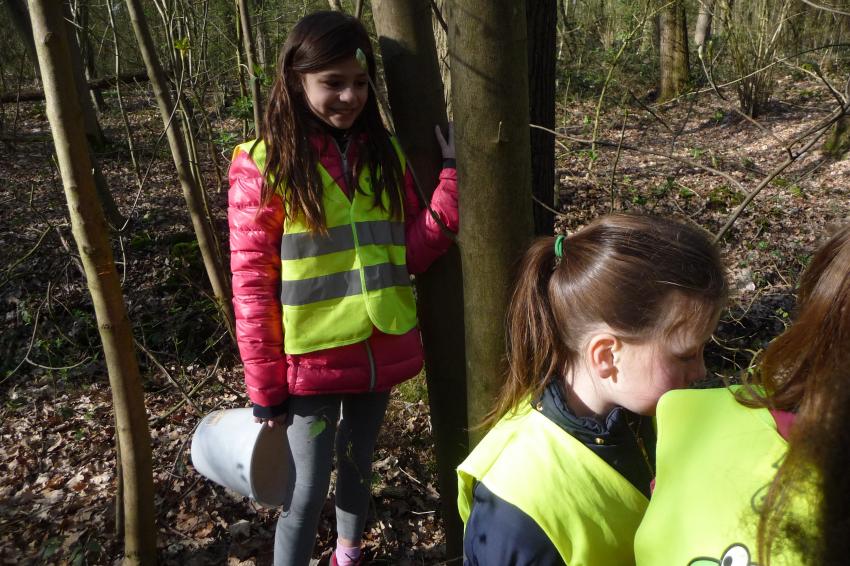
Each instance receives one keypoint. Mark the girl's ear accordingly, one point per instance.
(603, 353)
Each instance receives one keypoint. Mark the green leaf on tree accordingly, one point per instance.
(317, 427)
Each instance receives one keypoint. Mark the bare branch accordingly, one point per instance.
(825, 8)
(791, 158)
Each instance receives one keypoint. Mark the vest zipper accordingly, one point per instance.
(372, 373)
(346, 174)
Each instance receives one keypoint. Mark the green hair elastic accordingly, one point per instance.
(559, 246)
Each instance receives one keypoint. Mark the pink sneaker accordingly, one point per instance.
(360, 561)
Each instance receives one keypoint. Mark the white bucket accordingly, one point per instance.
(232, 450)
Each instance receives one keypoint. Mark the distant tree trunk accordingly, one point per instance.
(94, 133)
(192, 192)
(488, 48)
(542, 20)
(17, 10)
(81, 17)
(673, 50)
(251, 61)
(90, 233)
(336, 5)
(702, 33)
(262, 37)
(416, 96)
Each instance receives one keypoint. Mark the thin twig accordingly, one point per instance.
(617, 159)
(29, 253)
(826, 8)
(546, 206)
(671, 156)
(439, 15)
(167, 374)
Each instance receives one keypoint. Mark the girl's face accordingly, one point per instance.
(647, 370)
(338, 93)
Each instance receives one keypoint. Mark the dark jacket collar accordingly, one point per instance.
(625, 440)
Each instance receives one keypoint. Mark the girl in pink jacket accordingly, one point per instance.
(325, 228)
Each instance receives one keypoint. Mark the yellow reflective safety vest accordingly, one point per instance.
(586, 508)
(715, 460)
(336, 288)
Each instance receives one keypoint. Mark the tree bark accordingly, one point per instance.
(416, 97)
(488, 48)
(542, 20)
(441, 41)
(251, 59)
(673, 51)
(90, 233)
(192, 192)
(702, 33)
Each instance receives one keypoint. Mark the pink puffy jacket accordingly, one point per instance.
(271, 375)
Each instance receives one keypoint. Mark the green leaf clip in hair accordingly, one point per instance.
(361, 59)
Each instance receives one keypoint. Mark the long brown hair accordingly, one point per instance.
(318, 40)
(620, 271)
(807, 370)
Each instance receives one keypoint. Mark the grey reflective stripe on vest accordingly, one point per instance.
(306, 244)
(340, 238)
(386, 275)
(338, 285)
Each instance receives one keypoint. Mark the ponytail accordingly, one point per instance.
(535, 352)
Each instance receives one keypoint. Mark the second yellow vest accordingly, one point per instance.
(715, 459)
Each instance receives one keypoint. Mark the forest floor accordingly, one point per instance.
(57, 458)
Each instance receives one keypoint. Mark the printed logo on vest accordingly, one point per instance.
(735, 555)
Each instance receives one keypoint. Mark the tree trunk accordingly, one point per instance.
(488, 48)
(674, 51)
(192, 192)
(90, 233)
(441, 41)
(416, 96)
(250, 60)
(335, 5)
(702, 33)
(542, 20)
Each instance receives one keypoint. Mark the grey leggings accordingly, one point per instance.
(311, 430)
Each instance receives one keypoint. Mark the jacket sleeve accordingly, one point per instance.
(425, 239)
(500, 533)
(255, 234)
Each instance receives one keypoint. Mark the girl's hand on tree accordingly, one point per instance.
(447, 147)
(279, 420)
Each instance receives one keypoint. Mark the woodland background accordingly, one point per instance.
(730, 115)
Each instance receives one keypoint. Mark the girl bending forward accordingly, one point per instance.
(600, 325)
(759, 474)
(325, 229)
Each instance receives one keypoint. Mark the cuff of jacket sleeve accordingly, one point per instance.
(271, 412)
(449, 163)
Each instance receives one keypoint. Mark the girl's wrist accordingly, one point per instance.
(271, 412)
